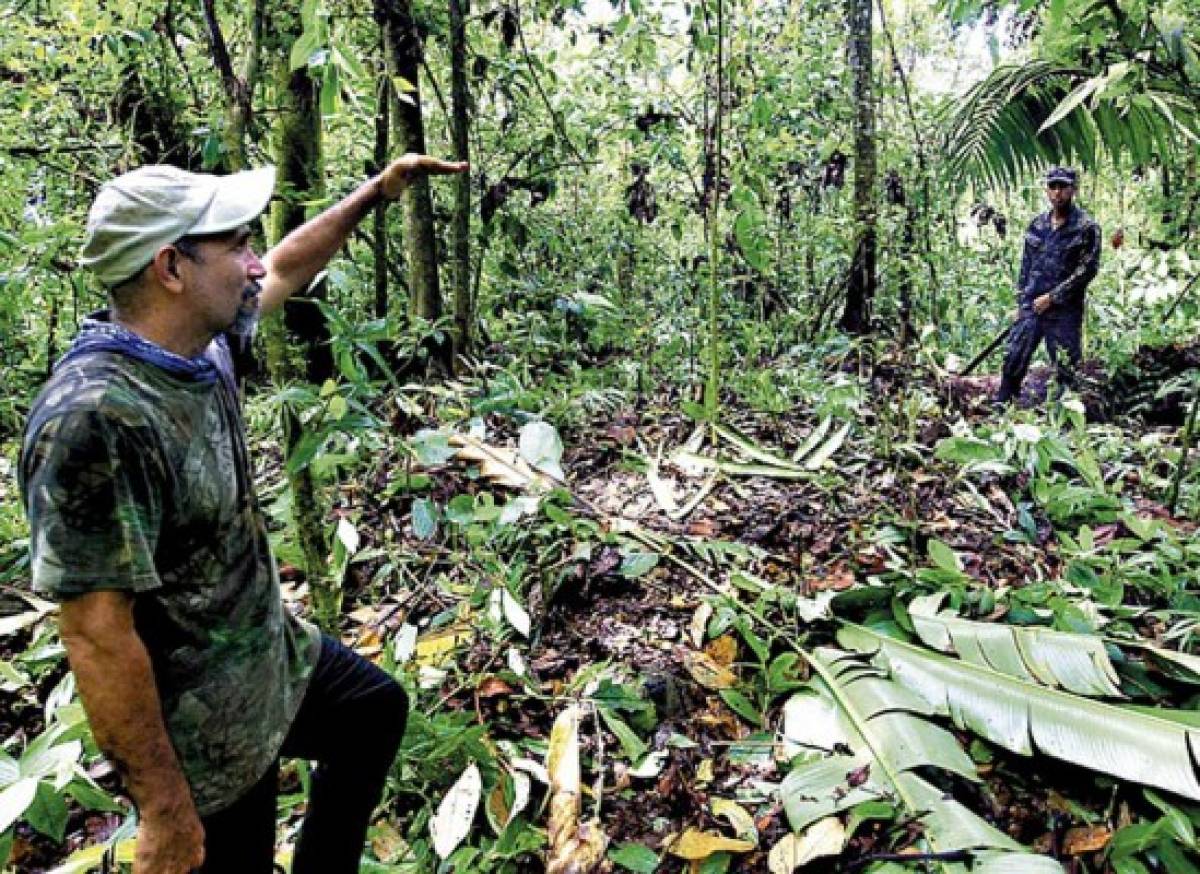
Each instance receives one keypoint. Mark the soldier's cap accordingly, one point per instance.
(138, 213)
(1061, 174)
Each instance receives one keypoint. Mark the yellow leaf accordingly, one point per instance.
(704, 772)
(826, 837)
(573, 847)
(433, 648)
(723, 650)
(694, 844)
(739, 818)
(707, 672)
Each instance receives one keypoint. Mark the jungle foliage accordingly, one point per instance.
(641, 457)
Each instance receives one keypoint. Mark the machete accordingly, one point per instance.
(991, 347)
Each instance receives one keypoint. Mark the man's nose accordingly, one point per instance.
(255, 269)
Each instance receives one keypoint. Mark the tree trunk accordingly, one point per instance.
(860, 284)
(238, 90)
(297, 343)
(461, 227)
(383, 96)
(402, 53)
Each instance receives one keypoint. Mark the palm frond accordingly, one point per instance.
(1141, 745)
(873, 734)
(994, 135)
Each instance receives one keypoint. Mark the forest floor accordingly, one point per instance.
(663, 591)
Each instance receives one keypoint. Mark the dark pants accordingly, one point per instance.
(1063, 333)
(350, 723)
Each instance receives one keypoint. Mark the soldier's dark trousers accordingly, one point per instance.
(1063, 333)
(350, 724)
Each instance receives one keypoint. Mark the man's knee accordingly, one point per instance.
(391, 716)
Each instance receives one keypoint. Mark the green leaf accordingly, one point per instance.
(875, 735)
(944, 557)
(832, 445)
(540, 445)
(1022, 716)
(638, 564)
(305, 46)
(634, 857)
(424, 518)
(432, 448)
(1070, 102)
(461, 510)
(1078, 663)
(633, 746)
(48, 812)
(331, 89)
(92, 797)
(967, 450)
(741, 705)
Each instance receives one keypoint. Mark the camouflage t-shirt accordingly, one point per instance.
(136, 479)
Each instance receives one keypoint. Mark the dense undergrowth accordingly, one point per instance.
(688, 584)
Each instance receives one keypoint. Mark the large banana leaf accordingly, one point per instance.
(1021, 716)
(1075, 662)
(873, 734)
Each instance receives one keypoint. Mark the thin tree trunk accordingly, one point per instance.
(861, 281)
(238, 89)
(712, 392)
(383, 93)
(402, 53)
(296, 142)
(461, 227)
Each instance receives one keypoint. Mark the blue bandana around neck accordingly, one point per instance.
(98, 334)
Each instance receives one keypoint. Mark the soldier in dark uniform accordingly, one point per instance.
(1062, 255)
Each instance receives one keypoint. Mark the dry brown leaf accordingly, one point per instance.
(723, 650)
(572, 847)
(705, 671)
(838, 579)
(502, 465)
(387, 842)
(1086, 839)
(490, 687)
(695, 845)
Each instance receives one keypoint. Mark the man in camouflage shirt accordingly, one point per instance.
(145, 526)
(1061, 256)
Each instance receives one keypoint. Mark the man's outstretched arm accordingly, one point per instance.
(304, 252)
(116, 682)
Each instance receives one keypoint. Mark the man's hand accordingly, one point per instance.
(403, 170)
(116, 682)
(1042, 303)
(170, 844)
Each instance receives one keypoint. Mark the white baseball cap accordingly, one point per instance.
(138, 213)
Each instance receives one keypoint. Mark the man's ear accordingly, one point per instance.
(165, 268)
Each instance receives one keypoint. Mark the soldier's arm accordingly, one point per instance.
(304, 252)
(116, 682)
(1085, 271)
